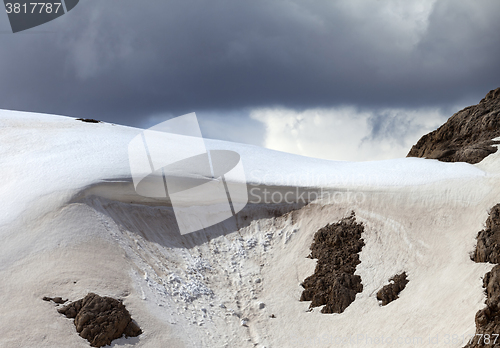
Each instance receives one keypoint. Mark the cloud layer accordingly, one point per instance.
(131, 62)
(346, 133)
(123, 60)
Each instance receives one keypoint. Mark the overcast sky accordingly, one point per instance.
(346, 80)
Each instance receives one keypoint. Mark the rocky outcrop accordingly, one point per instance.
(101, 319)
(390, 292)
(466, 136)
(333, 284)
(488, 318)
(488, 240)
(488, 250)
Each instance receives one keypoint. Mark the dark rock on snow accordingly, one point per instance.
(466, 136)
(333, 284)
(487, 250)
(488, 318)
(101, 319)
(88, 120)
(488, 240)
(390, 292)
(57, 300)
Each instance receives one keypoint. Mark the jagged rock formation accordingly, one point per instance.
(333, 284)
(466, 136)
(101, 319)
(488, 319)
(488, 240)
(488, 250)
(390, 292)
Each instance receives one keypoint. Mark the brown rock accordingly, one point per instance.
(488, 318)
(466, 136)
(488, 240)
(390, 292)
(333, 284)
(101, 319)
(487, 250)
(57, 300)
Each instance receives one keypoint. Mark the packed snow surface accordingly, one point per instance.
(71, 223)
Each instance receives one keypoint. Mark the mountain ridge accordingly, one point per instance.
(467, 136)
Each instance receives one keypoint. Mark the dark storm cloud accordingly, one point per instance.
(122, 60)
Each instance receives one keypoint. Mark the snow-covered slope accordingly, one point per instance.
(71, 223)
